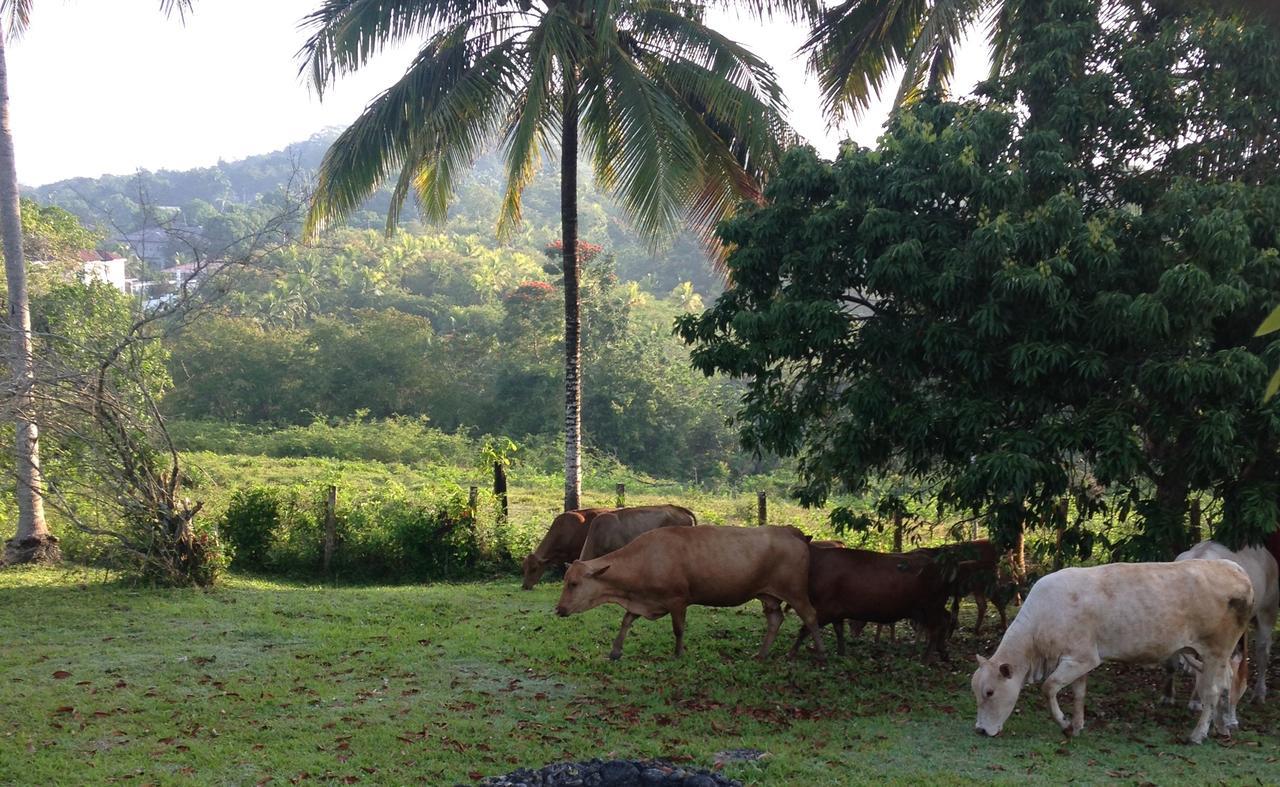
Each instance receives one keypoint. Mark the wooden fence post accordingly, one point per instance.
(897, 531)
(330, 525)
(762, 509)
(620, 495)
(500, 489)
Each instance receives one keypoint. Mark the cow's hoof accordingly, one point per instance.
(1195, 739)
(614, 656)
(1194, 706)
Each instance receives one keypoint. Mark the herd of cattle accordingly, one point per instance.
(1191, 615)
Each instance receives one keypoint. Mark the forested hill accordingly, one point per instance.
(225, 197)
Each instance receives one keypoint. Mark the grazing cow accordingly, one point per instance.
(1076, 618)
(616, 529)
(878, 587)
(671, 568)
(973, 568)
(562, 543)
(1263, 573)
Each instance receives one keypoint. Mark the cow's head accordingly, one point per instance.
(534, 568)
(996, 688)
(583, 589)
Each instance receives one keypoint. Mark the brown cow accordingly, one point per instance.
(562, 543)
(667, 570)
(616, 529)
(878, 587)
(973, 568)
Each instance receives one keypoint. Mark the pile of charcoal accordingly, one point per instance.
(610, 773)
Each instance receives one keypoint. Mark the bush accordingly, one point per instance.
(382, 537)
(251, 518)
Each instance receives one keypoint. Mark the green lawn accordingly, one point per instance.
(261, 681)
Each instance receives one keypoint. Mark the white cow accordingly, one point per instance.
(1265, 576)
(1144, 613)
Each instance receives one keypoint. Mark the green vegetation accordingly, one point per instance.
(1048, 291)
(441, 683)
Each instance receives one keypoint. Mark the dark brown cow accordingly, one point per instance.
(878, 587)
(615, 529)
(973, 568)
(669, 569)
(562, 543)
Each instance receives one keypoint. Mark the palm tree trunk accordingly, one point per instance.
(572, 326)
(33, 542)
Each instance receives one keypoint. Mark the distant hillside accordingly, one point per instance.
(216, 200)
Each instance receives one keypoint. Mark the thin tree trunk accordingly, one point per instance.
(572, 326)
(33, 542)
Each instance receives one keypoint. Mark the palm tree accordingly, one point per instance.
(679, 122)
(33, 541)
(855, 46)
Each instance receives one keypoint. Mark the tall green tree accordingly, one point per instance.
(678, 121)
(1023, 305)
(32, 542)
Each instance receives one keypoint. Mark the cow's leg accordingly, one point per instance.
(808, 614)
(1170, 681)
(677, 628)
(980, 599)
(1004, 618)
(1213, 679)
(1069, 670)
(1077, 704)
(627, 619)
(1262, 653)
(801, 636)
(773, 622)
(839, 627)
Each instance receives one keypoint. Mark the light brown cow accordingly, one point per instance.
(1143, 613)
(616, 529)
(665, 571)
(562, 543)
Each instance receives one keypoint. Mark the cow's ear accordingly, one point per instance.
(1006, 671)
(598, 571)
(808, 538)
(980, 658)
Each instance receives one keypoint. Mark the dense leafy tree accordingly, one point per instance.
(1020, 305)
(678, 120)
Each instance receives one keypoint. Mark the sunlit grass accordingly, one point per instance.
(434, 684)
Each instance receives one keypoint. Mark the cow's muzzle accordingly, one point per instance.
(562, 612)
(983, 732)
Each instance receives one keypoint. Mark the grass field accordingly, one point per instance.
(262, 682)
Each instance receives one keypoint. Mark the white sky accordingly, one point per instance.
(111, 86)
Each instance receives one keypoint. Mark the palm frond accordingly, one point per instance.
(16, 17)
(931, 61)
(444, 109)
(345, 34)
(653, 157)
(854, 47)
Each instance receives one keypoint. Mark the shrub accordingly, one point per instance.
(249, 523)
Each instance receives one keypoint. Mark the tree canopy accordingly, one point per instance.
(1050, 290)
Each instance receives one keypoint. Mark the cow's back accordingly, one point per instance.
(615, 529)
